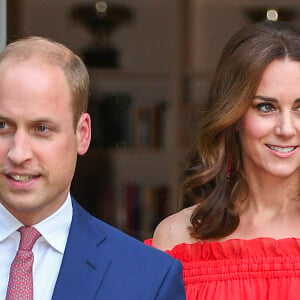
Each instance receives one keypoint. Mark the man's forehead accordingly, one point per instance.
(34, 59)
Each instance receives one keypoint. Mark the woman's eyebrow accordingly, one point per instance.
(264, 98)
(271, 99)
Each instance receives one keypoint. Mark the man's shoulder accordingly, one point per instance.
(147, 273)
(120, 245)
(130, 247)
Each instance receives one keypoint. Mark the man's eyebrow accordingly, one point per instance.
(4, 118)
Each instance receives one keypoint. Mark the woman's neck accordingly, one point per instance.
(272, 209)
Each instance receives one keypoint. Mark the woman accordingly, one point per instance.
(241, 238)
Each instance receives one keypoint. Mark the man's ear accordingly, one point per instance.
(83, 133)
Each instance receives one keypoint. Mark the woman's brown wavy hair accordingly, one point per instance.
(217, 148)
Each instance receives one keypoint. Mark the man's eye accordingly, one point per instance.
(2, 125)
(265, 107)
(42, 128)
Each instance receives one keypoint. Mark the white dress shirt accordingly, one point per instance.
(48, 250)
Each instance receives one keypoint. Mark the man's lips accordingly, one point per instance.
(22, 177)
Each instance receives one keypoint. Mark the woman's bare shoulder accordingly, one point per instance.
(174, 230)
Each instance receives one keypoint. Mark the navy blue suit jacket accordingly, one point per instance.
(101, 262)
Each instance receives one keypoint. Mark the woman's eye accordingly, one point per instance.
(2, 125)
(265, 107)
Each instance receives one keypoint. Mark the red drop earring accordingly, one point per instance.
(229, 165)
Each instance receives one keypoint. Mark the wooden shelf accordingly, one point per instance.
(127, 75)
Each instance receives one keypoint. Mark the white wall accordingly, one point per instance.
(2, 24)
(146, 43)
(212, 23)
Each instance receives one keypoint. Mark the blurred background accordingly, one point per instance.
(150, 63)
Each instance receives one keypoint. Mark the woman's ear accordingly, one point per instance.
(83, 133)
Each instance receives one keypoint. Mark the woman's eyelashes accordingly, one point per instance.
(264, 107)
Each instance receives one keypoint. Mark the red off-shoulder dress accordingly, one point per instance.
(262, 268)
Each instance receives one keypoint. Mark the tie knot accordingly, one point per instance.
(29, 235)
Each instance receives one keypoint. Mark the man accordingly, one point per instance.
(43, 126)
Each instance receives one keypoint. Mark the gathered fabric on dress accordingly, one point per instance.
(261, 268)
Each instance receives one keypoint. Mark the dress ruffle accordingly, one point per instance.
(264, 264)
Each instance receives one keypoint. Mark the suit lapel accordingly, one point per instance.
(84, 266)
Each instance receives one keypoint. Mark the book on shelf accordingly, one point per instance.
(111, 120)
(119, 122)
(145, 207)
(149, 125)
(132, 205)
(141, 127)
(158, 124)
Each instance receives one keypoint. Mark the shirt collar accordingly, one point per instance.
(54, 229)
(8, 223)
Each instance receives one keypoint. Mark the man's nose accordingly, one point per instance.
(20, 148)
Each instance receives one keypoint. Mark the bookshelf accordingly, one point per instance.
(141, 104)
(132, 115)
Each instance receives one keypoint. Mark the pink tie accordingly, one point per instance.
(20, 286)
